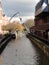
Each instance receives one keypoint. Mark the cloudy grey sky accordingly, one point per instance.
(25, 7)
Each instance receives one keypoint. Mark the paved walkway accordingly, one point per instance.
(19, 52)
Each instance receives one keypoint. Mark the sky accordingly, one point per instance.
(25, 7)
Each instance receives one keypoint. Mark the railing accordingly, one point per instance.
(45, 41)
(5, 40)
(41, 43)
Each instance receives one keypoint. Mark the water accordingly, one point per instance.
(22, 52)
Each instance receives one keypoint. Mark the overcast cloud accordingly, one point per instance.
(25, 7)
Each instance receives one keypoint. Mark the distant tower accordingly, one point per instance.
(0, 11)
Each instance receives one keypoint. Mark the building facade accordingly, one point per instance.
(41, 27)
(3, 19)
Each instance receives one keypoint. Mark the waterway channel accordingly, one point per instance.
(23, 52)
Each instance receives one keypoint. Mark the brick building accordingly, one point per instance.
(41, 27)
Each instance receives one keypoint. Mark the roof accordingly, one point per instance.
(42, 6)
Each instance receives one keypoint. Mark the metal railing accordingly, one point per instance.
(45, 41)
(4, 42)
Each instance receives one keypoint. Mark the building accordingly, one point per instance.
(3, 19)
(41, 27)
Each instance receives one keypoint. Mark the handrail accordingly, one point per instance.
(4, 38)
(4, 42)
(45, 41)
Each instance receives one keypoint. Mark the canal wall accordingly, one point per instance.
(4, 41)
(44, 47)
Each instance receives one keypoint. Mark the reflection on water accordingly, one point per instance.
(22, 52)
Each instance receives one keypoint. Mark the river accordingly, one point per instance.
(23, 52)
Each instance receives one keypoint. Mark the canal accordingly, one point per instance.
(23, 52)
